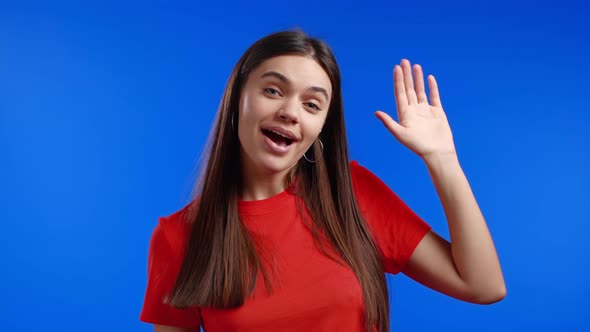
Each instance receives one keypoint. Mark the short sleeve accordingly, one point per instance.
(163, 267)
(396, 229)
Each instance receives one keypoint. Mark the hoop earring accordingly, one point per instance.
(317, 159)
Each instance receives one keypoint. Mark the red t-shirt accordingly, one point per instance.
(315, 293)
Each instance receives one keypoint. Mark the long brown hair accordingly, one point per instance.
(222, 258)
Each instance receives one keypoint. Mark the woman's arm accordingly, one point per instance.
(468, 267)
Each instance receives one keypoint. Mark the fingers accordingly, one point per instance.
(408, 82)
(395, 128)
(401, 100)
(419, 84)
(410, 88)
(434, 95)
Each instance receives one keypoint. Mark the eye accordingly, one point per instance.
(272, 91)
(313, 106)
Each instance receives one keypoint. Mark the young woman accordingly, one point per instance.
(286, 234)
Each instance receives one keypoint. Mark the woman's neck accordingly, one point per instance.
(260, 184)
(253, 190)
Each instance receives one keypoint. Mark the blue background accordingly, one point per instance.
(105, 108)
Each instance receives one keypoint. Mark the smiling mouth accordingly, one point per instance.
(278, 139)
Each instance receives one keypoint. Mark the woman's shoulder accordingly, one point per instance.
(356, 169)
(369, 188)
(361, 176)
(175, 227)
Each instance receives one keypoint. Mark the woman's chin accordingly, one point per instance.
(277, 165)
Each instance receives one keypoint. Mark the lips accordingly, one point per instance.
(278, 139)
(282, 131)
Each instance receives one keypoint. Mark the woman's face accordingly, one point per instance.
(283, 107)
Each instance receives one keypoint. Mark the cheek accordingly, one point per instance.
(248, 114)
(315, 123)
(256, 106)
(251, 113)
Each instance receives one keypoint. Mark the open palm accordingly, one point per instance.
(422, 127)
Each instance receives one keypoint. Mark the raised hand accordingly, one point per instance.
(422, 127)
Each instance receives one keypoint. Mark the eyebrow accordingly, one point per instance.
(285, 80)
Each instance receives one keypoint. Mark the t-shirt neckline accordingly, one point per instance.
(267, 205)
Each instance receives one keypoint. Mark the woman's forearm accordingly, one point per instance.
(472, 246)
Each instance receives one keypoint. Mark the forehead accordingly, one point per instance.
(300, 70)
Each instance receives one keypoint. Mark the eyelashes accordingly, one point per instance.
(274, 92)
(314, 106)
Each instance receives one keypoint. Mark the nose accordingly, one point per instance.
(289, 112)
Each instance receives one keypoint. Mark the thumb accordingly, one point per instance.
(395, 128)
